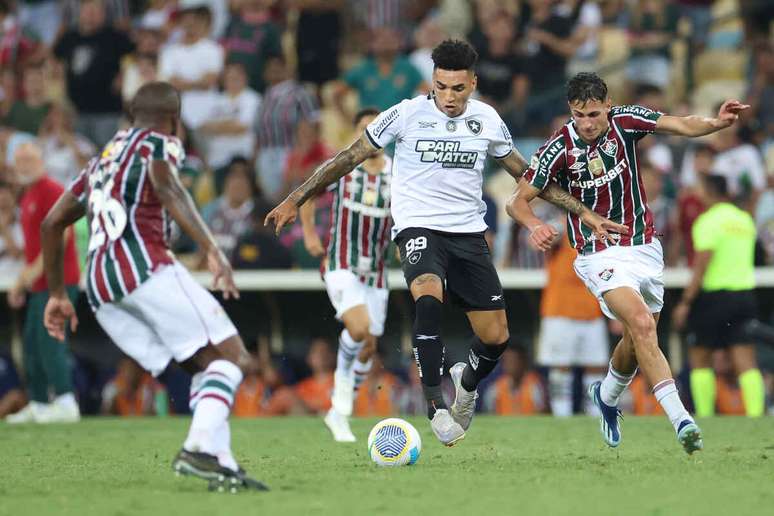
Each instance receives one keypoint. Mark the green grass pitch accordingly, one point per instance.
(513, 466)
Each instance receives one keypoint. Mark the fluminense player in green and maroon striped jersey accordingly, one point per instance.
(594, 158)
(353, 271)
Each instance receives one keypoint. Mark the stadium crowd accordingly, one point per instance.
(268, 91)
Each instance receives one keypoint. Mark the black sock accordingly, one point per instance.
(428, 351)
(482, 359)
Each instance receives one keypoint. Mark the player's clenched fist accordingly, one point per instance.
(542, 237)
(285, 213)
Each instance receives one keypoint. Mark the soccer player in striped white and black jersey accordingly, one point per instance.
(442, 141)
(147, 302)
(353, 271)
(594, 157)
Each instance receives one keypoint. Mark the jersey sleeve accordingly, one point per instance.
(386, 127)
(166, 148)
(502, 143)
(704, 236)
(547, 162)
(637, 121)
(78, 187)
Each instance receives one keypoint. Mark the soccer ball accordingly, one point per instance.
(394, 442)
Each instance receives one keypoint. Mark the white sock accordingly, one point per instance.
(211, 404)
(223, 447)
(613, 385)
(66, 400)
(348, 350)
(588, 379)
(665, 392)
(560, 392)
(360, 371)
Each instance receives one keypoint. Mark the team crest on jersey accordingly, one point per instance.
(474, 125)
(451, 126)
(606, 274)
(369, 197)
(447, 153)
(610, 147)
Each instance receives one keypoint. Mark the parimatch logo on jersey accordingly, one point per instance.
(447, 153)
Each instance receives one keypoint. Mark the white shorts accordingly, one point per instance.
(640, 267)
(170, 316)
(345, 291)
(567, 342)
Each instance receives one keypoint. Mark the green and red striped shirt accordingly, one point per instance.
(603, 175)
(360, 225)
(129, 228)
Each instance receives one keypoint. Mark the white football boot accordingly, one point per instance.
(61, 411)
(446, 429)
(29, 414)
(339, 427)
(464, 402)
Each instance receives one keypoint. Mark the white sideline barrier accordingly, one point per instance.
(512, 279)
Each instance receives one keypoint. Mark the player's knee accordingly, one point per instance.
(428, 284)
(358, 331)
(494, 335)
(642, 327)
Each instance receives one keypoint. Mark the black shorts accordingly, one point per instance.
(461, 260)
(719, 319)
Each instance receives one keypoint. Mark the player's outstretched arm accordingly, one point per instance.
(312, 241)
(603, 229)
(693, 125)
(325, 175)
(541, 235)
(59, 310)
(174, 197)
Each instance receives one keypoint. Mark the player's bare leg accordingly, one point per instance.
(217, 372)
(640, 347)
(427, 290)
(491, 340)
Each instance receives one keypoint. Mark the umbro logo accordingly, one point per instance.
(497, 298)
(577, 165)
(427, 337)
(427, 125)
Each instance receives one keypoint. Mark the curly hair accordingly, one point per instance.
(453, 54)
(586, 86)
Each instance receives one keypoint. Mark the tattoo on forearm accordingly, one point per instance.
(562, 198)
(514, 164)
(333, 169)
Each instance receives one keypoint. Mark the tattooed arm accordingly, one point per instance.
(514, 163)
(326, 174)
(541, 234)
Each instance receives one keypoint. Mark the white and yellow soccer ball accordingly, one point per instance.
(394, 442)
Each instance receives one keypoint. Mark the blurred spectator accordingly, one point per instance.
(764, 220)
(116, 14)
(65, 153)
(17, 45)
(318, 33)
(142, 67)
(228, 130)
(428, 35)
(157, 16)
(27, 115)
(315, 391)
(10, 139)
(12, 396)
(741, 163)
(385, 77)
(92, 55)
(259, 247)
(502, 79)
(652, 28)
(11, 236)
(251, 39)
(285, 104)
(134, 392)
(230, 215)
(660, 205)
(728, 395)
(193, 64)
(47, 361)
(548, 46)
(690, 205)
(378, 394)
(654, 149)
(585, 34)
(761, 93)
(41, 17)
(306, 155)
(518, 391)
(699, 14)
